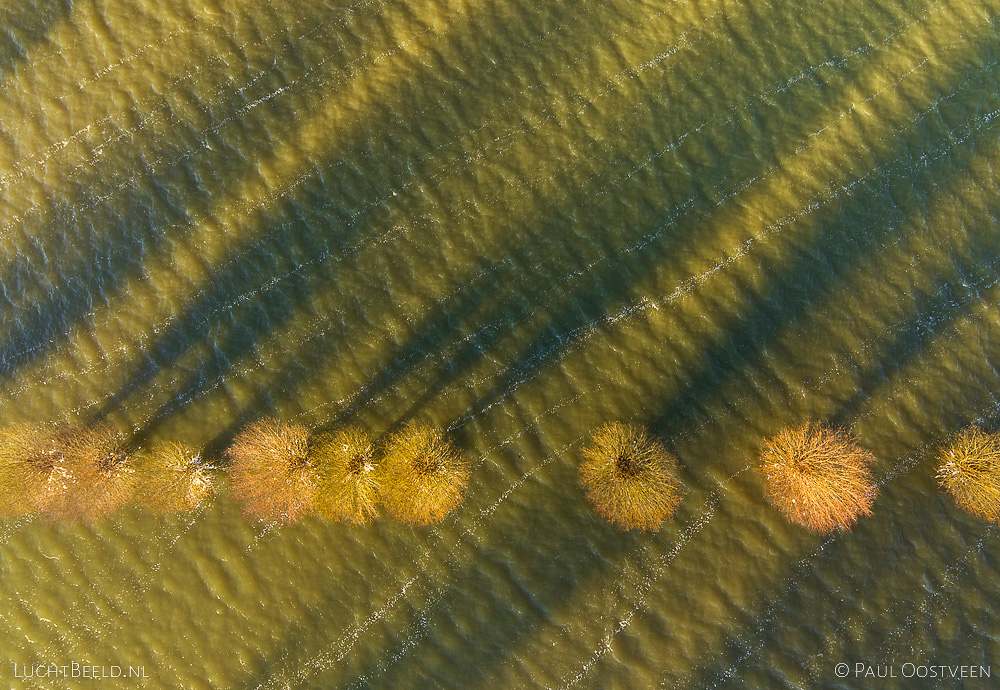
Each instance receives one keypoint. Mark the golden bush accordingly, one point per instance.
(629, 477)
(349, 484)
(424, 475)
(270, 471)
(969, 471)
(172, 478)
(16, 444)
(819, 477)
(74, 472)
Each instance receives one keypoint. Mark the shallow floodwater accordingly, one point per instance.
(517, 220)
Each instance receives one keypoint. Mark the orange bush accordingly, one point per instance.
(969, 471)
(424, 475)
(629, 477)
(172, 478)
(74, 472)
(818, 477)
(270, 471)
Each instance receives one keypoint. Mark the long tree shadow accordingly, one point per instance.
(474, 322)
(863, 608)
(320, 228)
(25, 24)
(794, 286)
(937, 309)
(470, 663)
(877, 207)
(891, 586)
(99, 233)
(789, 297)
(557, 550)
(284, 243)
(846, 576)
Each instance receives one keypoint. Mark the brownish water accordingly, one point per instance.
(517, 221)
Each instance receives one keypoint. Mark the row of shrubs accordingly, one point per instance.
(817, 476)
(279, 472)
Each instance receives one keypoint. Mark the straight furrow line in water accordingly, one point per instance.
(288, 187)
(501, 499)
(349, 71)
(578, 336)
(696, 525)
(897, 632)
(790, 581)
(246, 295)
(161, 94)
(758, 638)
(506, 493)
(686, 536)
(685, 287)
(690, 284)
(925, 326)
(346, 641)
(21, 167)
(900, 468)
(276, 194)
(616, 77)
(734, 112)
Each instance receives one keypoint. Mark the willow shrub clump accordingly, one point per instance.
(271, 472)
(16, 441)
(348, 481)
(629, 477)
(969, 471)
(71, 473)
(819, 477)
(172, 478)
(423, 475)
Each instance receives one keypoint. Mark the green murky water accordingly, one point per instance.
(517, 220)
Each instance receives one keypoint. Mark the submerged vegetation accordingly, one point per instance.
(969, 471)
(819, 477)
(70, 472)
(271, 472)
(629, 477)
(173, 478)
(277, 471)
(424, 475)
(16, 442)
(348, 481)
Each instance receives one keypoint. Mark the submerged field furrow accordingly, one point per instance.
(714, 219)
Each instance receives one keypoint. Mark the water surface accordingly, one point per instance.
(515, 220)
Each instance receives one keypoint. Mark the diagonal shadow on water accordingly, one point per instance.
(109, 221)
(837, 246)
(937, 309)
(843, 586)
(876, 207)
(23, 25)
(327, 225)
(493, 315)
(471, 664)
(905, 537)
